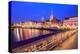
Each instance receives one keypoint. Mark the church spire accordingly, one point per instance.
(51, 13)
(51, 16)
(42, 18)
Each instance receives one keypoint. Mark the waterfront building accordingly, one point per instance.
(71, 22)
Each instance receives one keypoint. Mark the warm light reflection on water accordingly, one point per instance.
(21, 34)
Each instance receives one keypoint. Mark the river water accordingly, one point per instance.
(20, 34)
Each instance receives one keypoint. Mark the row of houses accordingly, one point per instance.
(70, 22)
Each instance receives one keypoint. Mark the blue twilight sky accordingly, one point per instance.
(25, 11)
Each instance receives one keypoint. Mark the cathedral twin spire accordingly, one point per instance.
(51, 16)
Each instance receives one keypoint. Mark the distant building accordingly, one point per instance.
(52, 22)
(71, 22)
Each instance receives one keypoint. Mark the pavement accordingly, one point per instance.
(70, 43)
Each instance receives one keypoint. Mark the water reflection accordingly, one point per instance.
(21, 34)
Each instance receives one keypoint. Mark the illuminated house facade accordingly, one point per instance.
(71, 22)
